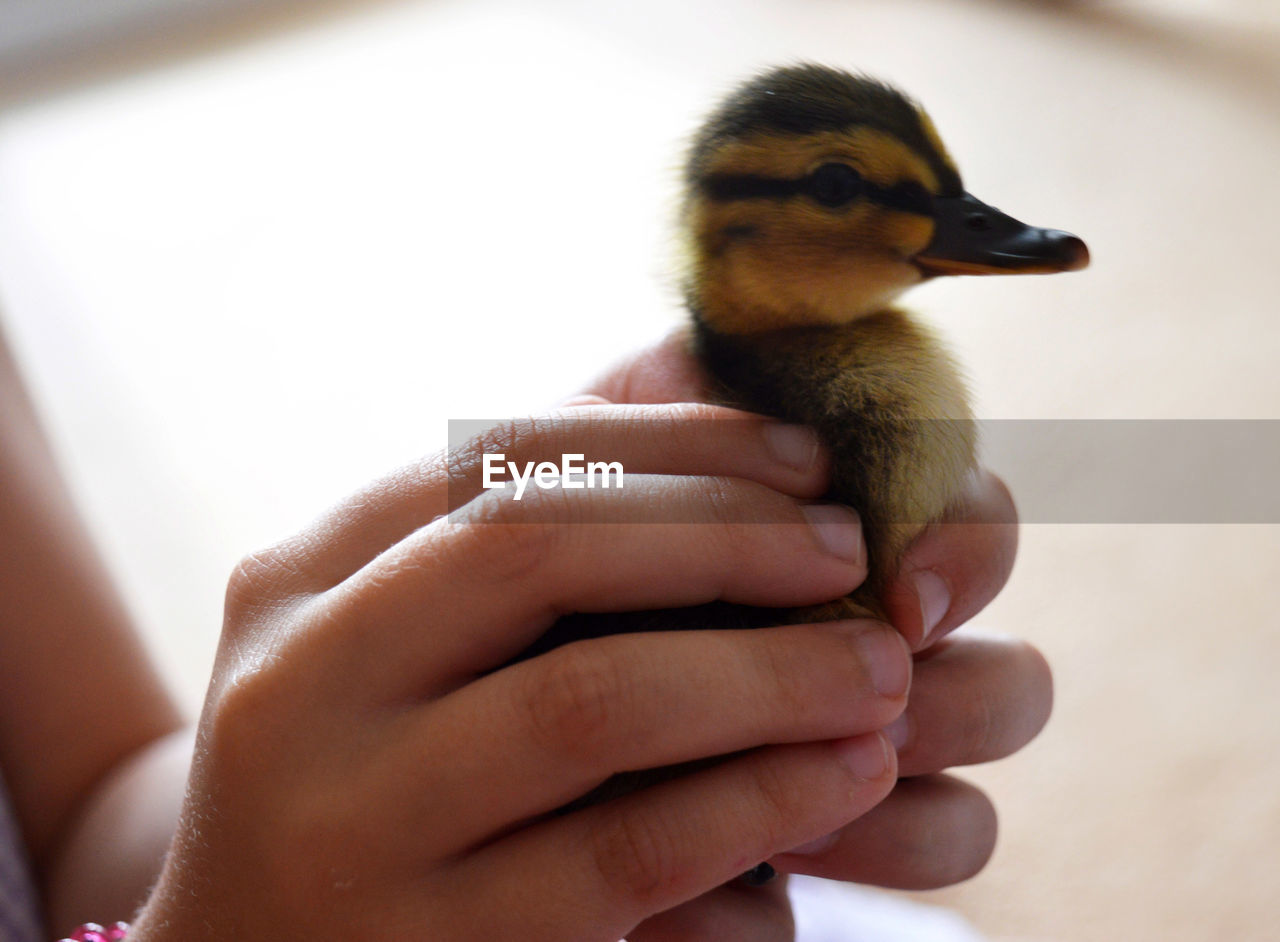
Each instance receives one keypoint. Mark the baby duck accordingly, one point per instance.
(813, 199)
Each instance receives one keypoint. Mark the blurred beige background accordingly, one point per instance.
(254, 255)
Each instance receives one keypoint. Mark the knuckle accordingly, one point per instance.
(259, 581)
(512, 438)
(577, 700)
(730, 500)
(500, 537)
(501, 437)
(776, 802)
(637, 859)
(250, 579)
(787, 673)
(729, 503)
(819, 678)
(703, 420)
(244, 721)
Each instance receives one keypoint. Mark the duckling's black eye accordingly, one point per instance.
(834, 184)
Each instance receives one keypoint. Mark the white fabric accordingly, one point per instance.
(827, 911)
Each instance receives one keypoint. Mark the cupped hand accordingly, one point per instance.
(973, 699)
(366, 768)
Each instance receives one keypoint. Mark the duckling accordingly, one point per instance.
(813, 199)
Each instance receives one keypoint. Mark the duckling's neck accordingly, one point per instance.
(883, 363)
(747, 296)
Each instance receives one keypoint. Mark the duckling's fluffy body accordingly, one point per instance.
(885, 397)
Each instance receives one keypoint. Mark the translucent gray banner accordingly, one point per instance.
(1060, 471)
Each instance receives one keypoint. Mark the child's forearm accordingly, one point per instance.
(113, 852)
(77, 692)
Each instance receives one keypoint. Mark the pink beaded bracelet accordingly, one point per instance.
(92, 932)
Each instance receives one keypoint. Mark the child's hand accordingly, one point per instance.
(360, 771)
(363, 772)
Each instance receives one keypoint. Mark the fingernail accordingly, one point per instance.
(935, 599)
(815, 847)
(899, 732)
(793, 445)
(888, 660)
(866, 756)
(838, 528)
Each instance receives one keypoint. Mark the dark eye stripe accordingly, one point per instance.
(908, 197)
(730, 186)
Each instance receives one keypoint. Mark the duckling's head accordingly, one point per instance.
(814, 196)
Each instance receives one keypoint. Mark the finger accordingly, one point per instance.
(650, 851)
(974, 699)
(930, 832)
(570, 719)
(468, 593)
(684, 439)
(732, 911)
(955, 568)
